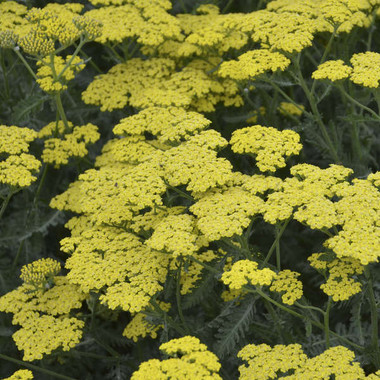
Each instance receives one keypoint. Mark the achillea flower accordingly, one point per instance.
(190, 360)
(57, 151)
(286, 283)
(252, 64)
(18, 167)
(140, 326)
(226, 213)
(40, 336)
(366, 70)
(56, 81)
(339, 271)
(149, 22)
(22, 374)
(332, 70)
(39, 272)
(167, 124)
(246, 272)
(270, 146)
(266, 363)
(287, 108)
(176, 234)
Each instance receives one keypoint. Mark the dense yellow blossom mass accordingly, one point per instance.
(190, 359)
(22, 374)
(265, 362)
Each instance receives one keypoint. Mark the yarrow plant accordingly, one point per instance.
(189, 190)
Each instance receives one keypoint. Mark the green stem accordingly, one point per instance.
(278, 252)
(42, 181)
(15, 261)
(208, 267)
(4, 70)
(170, 321)
(275, 319)
(26, 64)
(351, 99)
(182, 193)
(228, 6)
(324, 56)
(326, 320)
(315, 111)
(178, 298)
(109, 349)
(288, 98)
(292, 312)
(35, 368)
(374, 318)
(68, 63)
(6, 201)
(183, 6)
(92, 63)
(118, 57)
(61, 111)
(274, 245)
(309, 307)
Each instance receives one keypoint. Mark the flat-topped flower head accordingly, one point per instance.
(188, 359)
(39, 272)
(246, 272)
(270, 146)
(15, 140)
(169, 124)
(21, 374)
(252, 64)
(287, 284)
(332, 70)
(366, 69)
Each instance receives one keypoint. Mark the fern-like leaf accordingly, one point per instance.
(234, 328)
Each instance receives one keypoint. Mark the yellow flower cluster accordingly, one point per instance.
(252, 64)
(245, 272)
(270, 146)
(357, 210)
(190, 360)
(43, 311)
(155, 82)
(149, 22)
(286, 109)
(176, 234)
(17, 167)
(195, 163)
(332, 70)
(113, 258)
(169, 124)
(57, 150)
(54, 72)
(366, 71)
(265, 363)
(40, 336)
(43, 28)
(15, 140)
(309, 191)
(286, 282)
(39, 272)
(140, 327)
(224, 213)
(21, 374)
(340, 284)
(12, 18)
